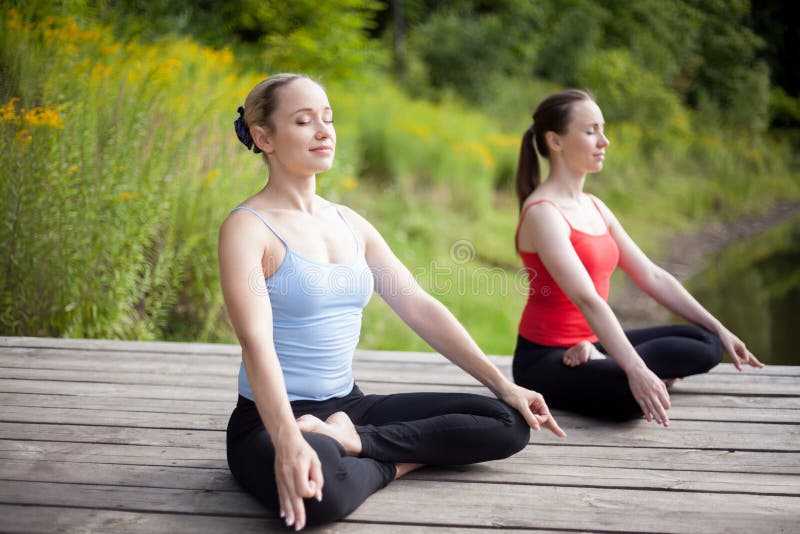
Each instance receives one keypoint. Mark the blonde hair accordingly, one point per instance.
(261, 103)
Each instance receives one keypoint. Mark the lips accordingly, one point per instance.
(323, 148)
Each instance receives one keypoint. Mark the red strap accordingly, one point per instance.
(525, 210)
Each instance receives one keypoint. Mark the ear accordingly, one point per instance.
(553, 141)
(262, 139)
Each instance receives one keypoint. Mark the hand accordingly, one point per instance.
(650, 393)
(298, 474)
(532, 407)
(738, 351)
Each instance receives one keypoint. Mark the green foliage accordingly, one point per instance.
(118, 161)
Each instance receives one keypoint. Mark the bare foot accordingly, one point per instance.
(581, 353)
(338, 426)
(669, 382)
(404, 469)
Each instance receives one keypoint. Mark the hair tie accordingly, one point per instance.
(243, 132)
(532, 130)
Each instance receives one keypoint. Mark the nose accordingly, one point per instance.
(604, 142)
(324, 130)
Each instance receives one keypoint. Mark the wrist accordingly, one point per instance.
(634, 365)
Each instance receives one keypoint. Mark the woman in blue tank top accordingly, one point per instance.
(296, 273)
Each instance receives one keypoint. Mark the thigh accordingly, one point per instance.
(598, 387)
(439, 428)
(676, 351)
(399, 407)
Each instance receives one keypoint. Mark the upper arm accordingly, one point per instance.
(242, 246)
(549, 235)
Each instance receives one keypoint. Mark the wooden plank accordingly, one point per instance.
(75, 358)
(57, 520)
(77, 410)
(160, 347)
(133, 404)
(150, 377)
(177, 348)
(120, 391)
(120, 454)
(523, 469)
(681, 434)
(618, 510)
(435, 503)
(154, 437)
(217, 407)
(432, 376)
(571, 456)
(108, 417)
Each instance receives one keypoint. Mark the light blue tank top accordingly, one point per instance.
(316, 320)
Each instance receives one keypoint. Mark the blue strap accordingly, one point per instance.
(352, 232)
(262, 219)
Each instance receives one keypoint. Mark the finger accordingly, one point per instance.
(287, 509)
(531, 419)
(550, 424)
(317, 478)
(662, 405)
(299, 513)
(646, 409)
(753, 361)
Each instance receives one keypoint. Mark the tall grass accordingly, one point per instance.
(118, 163)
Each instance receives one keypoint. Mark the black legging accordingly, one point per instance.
(425, 428)
(599, 388)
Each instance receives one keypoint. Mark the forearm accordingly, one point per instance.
(435, 324)
(670, 293)
(269, 391)
(610, 333)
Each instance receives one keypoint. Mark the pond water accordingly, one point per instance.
(753, 287)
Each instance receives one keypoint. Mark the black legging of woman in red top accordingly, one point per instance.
(599, 388)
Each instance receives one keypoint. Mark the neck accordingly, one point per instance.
(292, 192)
(565, 183)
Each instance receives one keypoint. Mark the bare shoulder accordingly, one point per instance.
(542, 214)
(242, 232)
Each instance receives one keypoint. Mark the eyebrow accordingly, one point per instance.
(326, 108)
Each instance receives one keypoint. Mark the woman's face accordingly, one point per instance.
(303, 140)
(583, 146)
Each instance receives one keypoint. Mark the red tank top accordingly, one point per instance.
(549, 317)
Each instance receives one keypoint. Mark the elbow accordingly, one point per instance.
(589, 302)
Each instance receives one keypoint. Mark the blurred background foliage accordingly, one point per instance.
(118, 161)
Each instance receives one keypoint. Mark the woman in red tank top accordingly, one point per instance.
(571, 347)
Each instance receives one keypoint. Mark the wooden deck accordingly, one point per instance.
(100, 436)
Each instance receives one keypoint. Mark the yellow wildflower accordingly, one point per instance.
(24, 137)
(126, 195)
(44, 116)
(211, 176)
(8, 113)
(349, 183)
(110, 49)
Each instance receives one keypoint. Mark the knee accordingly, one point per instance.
(715, 350)
(334, 506)
(517, 433)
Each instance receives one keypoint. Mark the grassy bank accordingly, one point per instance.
(118, 162)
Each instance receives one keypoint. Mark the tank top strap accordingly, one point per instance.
(591, 197)
(263, 220)
(525, 210)
(352, 232)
